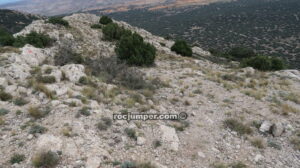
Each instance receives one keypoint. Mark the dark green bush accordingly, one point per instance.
(5, 96)
(58, 21)
(38, 40)
(105, 20)
(181, 47)
(46, 79)
(6, 39)
(113, 31)
(241, 52)
(134, 51)
(96, 26)
(47, 159)
(264, 63)
(17, 158)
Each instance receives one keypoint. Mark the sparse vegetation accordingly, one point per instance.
(104, 124)
(86, 111)
(58, 21)
(46, 79)
(37, 129)
(20, 101)
(37, 112)
(258, 142)
(237, 126)
(17, 158)
(66, 55)
(131, 133)
(47, 159)
(3, 111)
(181, 47)
(156, 143)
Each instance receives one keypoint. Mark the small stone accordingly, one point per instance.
(140, 141)
(201, 154)
(30, 136)
(258, 158)
(277, 129)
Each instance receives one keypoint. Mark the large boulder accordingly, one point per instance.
(169, 137)
(29, 55)
(73, 72)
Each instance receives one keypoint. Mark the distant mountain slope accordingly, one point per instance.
(269, 26)
(57, 7)
(14, 21)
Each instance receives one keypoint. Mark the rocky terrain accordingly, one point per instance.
(236, 117)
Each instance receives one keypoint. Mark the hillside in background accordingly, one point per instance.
(57, 7)
(14, 21)
(269, 26)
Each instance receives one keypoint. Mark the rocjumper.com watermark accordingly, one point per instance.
(145, 117)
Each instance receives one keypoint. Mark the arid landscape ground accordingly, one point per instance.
(237, 117)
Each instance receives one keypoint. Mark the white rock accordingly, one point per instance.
(169, 137)
(277, 129)
(200, 51)
(73, 72)
(265, 126)
(3, 82)
(258, 158)
(140, 141)
(49, 142)
(201, 154)
(17, 71)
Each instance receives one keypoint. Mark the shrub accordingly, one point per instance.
(85, 111)
(47, 159)
(156, 143)
(263, 63)
(6, 39)
(37, 129)
(38, 40)
(277, 64)
(181, 47)
(257, 142)
(134, 51)
(58, 21)
(37, 112)
(20, 101)
(66, 55)
(96, 26)
(238, 165)
(5, 96)
(46, 79)
(104, 123)
(117, 73)
(17, 158)
(3, 111)
(43, 88)
(105, 20)
(241, 52)
(113, 31)
(131, 133)
(237, 126)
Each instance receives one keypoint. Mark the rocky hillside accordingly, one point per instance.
(54, 113)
